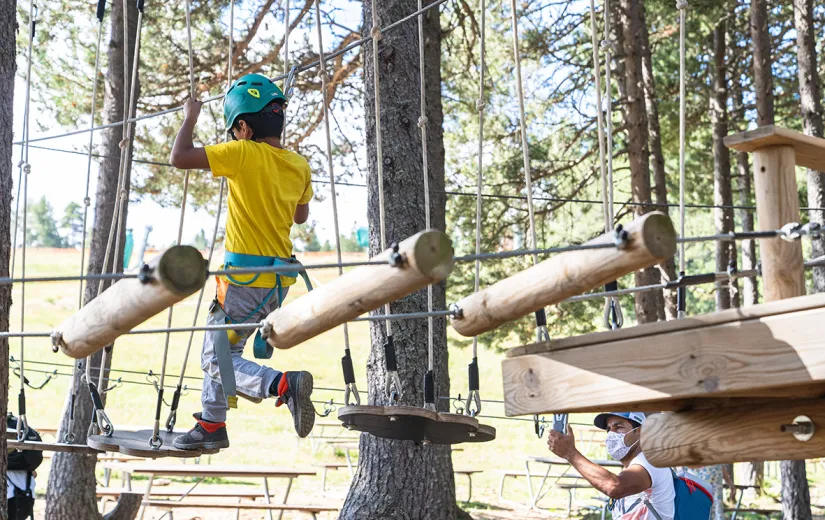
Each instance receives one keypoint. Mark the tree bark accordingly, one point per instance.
(750, 284)
(669, 310)
(796, 499)
(71, 488)
(722, 194)
(762, 63)
(810, 96)
(399, 479)
(127, 508)
(8, 68)
(631, 18)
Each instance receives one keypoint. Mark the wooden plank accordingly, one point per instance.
(788, 305)
(740, 433)
(810, 151)
(174, 504)
(651, 239)
(664, 371)
(158, 491)
(50, 446)
(427, 259)
(211, 470)
(177, 273)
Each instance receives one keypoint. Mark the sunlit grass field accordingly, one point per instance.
(262, 434)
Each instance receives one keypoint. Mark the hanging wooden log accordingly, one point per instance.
(650, 240)
(421, 260)
(169, 278)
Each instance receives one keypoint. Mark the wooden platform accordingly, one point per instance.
(769, 351)
(810, 151)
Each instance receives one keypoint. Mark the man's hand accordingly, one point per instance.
(562, 445)
(192, 109)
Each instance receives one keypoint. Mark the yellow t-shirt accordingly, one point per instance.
(266, 184)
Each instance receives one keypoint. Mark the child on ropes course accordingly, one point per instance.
(269, 190)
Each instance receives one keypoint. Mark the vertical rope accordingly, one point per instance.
(609, 47)
(22, 422)
(191, 59)
(597, 78)
(68, 437)
(173, 413)
(287, 31)
(682, 5)
(473, 398)
(379, 144)
(541, 317)
(349, 378)
(422, 124)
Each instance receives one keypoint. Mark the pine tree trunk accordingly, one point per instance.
(631, 17)
(722, 195)
(399, 479)
(71, 488)
(796, 499)
(669, 310)
(8, 67)
(750, 284)
(762, 63)
(810, 96)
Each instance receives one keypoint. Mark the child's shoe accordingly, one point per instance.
(295, 389)
(205, 435)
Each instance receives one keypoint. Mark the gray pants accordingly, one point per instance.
(251, 378)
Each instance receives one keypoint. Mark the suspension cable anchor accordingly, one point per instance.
(620, 237)
(145, 274)
(396, 258)
(457, 312)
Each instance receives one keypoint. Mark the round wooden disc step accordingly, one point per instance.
(136, 444)
(405, 423)
(451, 428)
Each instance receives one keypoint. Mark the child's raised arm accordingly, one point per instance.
(184, 154)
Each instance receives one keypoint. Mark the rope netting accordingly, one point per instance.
(109, 269)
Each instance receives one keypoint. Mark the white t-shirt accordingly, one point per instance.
(17, 478)
(661, 495)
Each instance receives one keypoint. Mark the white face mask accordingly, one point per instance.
(616, 446)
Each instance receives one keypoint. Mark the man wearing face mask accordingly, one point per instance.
(640, 491)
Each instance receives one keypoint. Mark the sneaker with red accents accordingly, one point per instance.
(204, 436)
(295, 390)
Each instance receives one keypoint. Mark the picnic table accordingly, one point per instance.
(556, 461)
(201, 472)
(326, 431)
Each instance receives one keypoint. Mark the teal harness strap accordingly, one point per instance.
(260, 348)
(223, 353)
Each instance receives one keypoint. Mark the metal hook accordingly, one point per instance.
(104, 424)
(459, 406)
(351, 391)
(613, 317)
(393, 385)
(539, 425)
(156, 442)
(117, 384)
(473, 403)
(329, 407)
(22, 427)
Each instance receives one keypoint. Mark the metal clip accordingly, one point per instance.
(620, 237)
(542, 334)
(290, 81)
(104, 424)
(351, 391)
(613, 317)
(393, 386)
(457, 312)
(473, 403)
(156, 442)
(539, 425)
(145, 274)
(396, 259)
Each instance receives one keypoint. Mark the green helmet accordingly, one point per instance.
(249, 95)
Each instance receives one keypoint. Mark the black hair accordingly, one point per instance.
(269, 122)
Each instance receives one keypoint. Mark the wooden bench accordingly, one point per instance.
(469, 473)
(571, 488)
(505, 474)
(312, 510)
(327, 466)
(172, 492)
